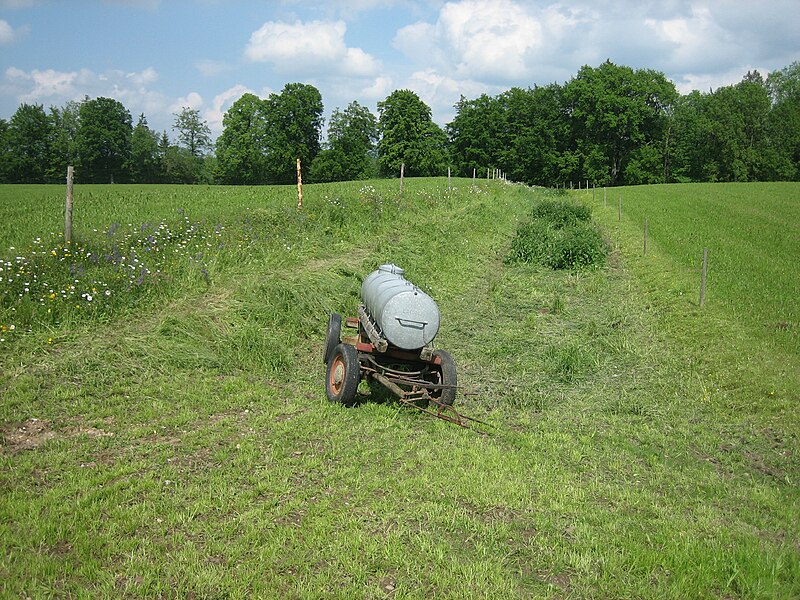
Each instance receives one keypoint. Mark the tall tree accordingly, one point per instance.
(241, 153)
(409, 136)
(5, 151)
(616, 110)
(352, 135)
(475, 133)
(294, 124)
(783, 124)
(535, 137)
(103, 141)
(29, 134)
(144, 162)
(63, 145)
(193, 133)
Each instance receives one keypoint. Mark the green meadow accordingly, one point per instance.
(165, 431)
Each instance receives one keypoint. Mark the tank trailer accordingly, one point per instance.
(393, 346)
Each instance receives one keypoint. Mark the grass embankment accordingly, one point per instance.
(183, 445)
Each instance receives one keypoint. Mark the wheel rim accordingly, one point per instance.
(337, 374)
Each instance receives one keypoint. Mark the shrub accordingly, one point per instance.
(561, 213)
(577, 247)
(560, 235)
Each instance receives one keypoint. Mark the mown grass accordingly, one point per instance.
(183, 445)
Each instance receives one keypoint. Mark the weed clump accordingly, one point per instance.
(560, 235)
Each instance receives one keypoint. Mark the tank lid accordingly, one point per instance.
(392, 268)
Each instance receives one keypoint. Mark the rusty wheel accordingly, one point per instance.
(333, 337)
(447, 376)
(343, 375)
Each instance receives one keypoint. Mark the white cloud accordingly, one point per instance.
(6, 33)
(696, 41)
(35, 86)
(143, 78)
(441, 93)
(378, 89)
(9, 35)
(220, 105)
(191, 100)
(705, 82)
(421, 43)
(314, 47)
(54, 88)
(491, 39)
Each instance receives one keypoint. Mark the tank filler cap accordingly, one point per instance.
(392, 268)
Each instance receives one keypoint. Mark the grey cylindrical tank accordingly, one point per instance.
(406, 316)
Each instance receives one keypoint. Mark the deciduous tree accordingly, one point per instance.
(294, 124)
(29, 134)
(352, 135)
(615, 110)
(144, 164)
(409, 136)
(241, 151)
(193, 132)
(103, 141)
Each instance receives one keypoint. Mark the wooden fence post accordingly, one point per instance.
(299, 186)
(68, 209)
(703, 274)
(402, 176)
(474, 172)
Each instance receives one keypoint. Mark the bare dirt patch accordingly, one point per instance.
(32, 433)
(26, 435)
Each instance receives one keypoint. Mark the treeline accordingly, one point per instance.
(610, 125)
(613, 125)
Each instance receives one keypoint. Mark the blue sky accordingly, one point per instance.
(157, 56)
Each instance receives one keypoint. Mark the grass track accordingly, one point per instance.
(618, 468)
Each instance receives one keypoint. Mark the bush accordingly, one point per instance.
(561, 213)
(577, 247)
(560, 236)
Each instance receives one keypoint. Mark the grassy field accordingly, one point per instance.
(172, 438)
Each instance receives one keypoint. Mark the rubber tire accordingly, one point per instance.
(343, 375)
(448, 377)
(333, 337)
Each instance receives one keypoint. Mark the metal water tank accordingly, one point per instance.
(405, 315)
